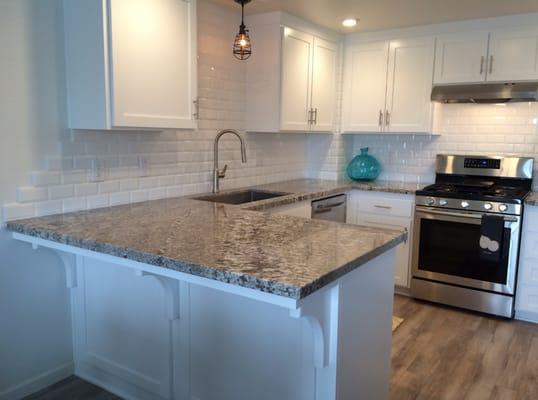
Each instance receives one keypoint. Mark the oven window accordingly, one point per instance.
(453, 248)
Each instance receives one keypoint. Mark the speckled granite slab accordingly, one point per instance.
(532, 199)
(283, 255)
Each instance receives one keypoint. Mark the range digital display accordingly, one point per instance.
(485, 163)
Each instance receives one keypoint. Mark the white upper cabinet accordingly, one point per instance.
(387, 86)
(499, 56)
(365, 83)
(409, 86)
(513, 55)
(297, 51)
(461, 58)
(325, 61)
(131, 63)
(291, 77)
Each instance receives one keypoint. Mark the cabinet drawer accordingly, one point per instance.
(386, 204)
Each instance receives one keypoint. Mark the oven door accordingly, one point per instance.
(446, 249)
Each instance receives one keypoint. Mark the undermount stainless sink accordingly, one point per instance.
(240, 196)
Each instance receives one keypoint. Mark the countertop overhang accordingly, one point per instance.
(278, 254)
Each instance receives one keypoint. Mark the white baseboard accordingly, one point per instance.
(527, 316)
(112, 383)
(37, 383)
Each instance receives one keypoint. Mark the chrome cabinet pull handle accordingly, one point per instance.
(481, 65)
(380, 118)
(490, 64)
(387, 118)
(310, 116)
(383, 207)
(315, 116)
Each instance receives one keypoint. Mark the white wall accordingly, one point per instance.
(35, 331)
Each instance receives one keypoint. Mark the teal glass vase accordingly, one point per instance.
(363, 167)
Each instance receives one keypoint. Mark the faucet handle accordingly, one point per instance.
(222, 173)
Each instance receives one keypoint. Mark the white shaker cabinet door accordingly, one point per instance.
(153, 56)
(461, 58)
(409, 85)
(297, 49)
(365, 87)
(324, 85)
(513, 55)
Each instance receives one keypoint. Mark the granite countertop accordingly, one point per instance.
(532, 199)
(279, 254)
(306, 189)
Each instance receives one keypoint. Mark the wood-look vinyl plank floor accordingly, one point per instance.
(438, 353)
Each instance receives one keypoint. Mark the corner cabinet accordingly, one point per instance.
(131, 64)
(387, 86)
(291, 79)
(499, 56)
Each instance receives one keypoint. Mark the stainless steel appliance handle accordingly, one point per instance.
(490, 64)
(481, 65)
(460, 215)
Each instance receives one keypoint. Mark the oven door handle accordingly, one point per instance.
(460, 215)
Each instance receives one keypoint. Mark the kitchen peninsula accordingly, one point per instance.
(187, 299)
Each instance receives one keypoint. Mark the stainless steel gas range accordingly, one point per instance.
(467, 232)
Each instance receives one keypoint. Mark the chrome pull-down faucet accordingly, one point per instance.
(217, 173)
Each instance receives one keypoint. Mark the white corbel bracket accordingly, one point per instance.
(69, 264)
(321, 312)
(171, 290)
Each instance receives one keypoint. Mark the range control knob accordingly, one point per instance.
(430, 201)
(465, 204)
(503, 207)
(443, 202)
(488, 206)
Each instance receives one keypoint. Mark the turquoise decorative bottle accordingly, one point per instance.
(363, 167)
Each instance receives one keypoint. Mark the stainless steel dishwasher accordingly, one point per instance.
(330, 208)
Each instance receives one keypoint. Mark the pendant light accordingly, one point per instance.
(242, 47)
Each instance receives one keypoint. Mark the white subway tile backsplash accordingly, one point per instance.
(98, 201)
(74, 204)
(108, 187)
(30, 194)
(61, 191)
(45, 178)
(14, 211)
(48, 208)
(119, 198)
(86, 189)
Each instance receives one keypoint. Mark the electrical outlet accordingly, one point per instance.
(97, 172)
(143, 165)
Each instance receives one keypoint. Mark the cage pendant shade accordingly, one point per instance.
(242, 46)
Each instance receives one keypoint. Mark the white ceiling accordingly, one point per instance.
(376, 15)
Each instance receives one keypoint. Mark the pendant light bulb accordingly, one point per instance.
(242, 48)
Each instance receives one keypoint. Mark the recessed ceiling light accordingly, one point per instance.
(349, 22)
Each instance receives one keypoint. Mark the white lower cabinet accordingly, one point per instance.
(388, 211)
(301, 209)
(527, 289)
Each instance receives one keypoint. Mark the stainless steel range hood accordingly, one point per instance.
(486, 93)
